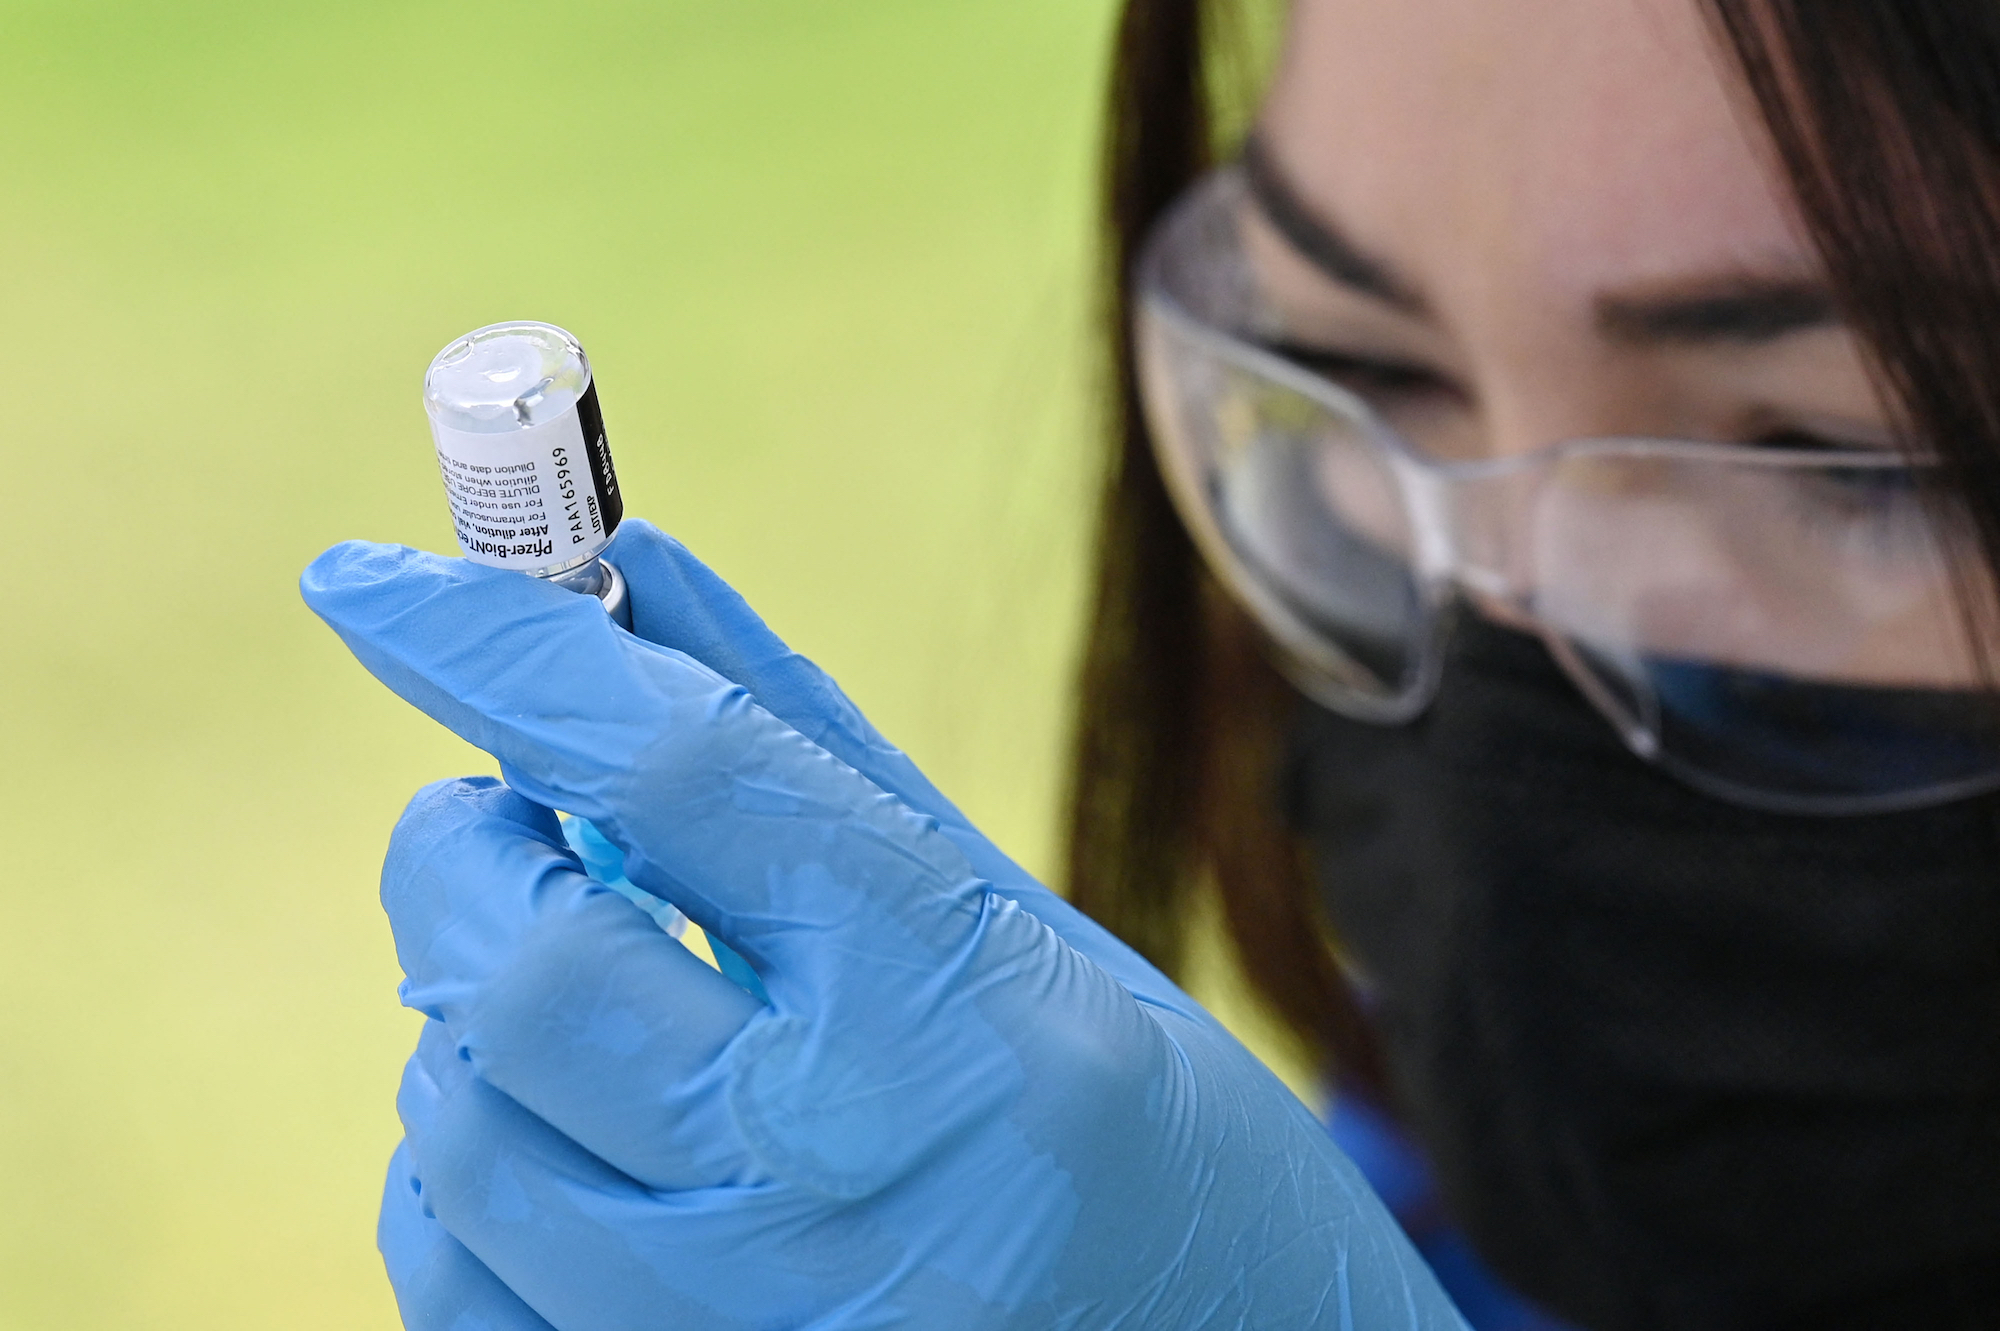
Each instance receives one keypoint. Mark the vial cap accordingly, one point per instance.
(506, 376)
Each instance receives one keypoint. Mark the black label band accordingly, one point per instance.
(603, 477)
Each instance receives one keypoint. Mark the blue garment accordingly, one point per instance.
(1395, 1167)
(960, 1104)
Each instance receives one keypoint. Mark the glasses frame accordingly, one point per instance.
(1325, 672)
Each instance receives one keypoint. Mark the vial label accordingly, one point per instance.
(532, 498)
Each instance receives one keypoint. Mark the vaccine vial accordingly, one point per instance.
(521, 446)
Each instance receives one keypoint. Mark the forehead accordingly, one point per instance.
(1573, 145)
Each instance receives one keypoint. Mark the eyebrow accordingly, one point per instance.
(1735, 309)
(1318, 240)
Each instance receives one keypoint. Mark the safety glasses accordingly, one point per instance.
(1784, 628)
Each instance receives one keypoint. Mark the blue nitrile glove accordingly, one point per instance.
(964, 1106)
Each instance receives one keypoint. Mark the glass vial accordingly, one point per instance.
(521, 447)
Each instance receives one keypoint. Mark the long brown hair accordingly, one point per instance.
(1180, 714)
(1886, 117)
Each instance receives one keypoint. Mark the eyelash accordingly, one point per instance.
(1361, 374)
(1808, 439)
(1375, 378)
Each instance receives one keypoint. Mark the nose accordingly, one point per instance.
(1527, 410)
(1471, 525)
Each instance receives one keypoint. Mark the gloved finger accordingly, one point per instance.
(560, 992)
(758, 834)
(678, 602)
(872, 933)
(587, 1247)
(439, 1285)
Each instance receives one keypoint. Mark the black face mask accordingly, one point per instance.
(1677, 1063)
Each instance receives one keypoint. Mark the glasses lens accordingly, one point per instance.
(1792, 630)
(1294, 499)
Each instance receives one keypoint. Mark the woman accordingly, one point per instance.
(1505, 388)
(1664, 1068)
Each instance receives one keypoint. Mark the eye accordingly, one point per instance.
(1881, 481)
(1368, 376)
(1878, 511)
(1801, 438)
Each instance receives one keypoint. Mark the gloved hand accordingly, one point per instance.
(964, 1105)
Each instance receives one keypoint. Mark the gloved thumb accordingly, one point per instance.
(680, 603)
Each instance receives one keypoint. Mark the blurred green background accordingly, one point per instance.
(831, 263)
